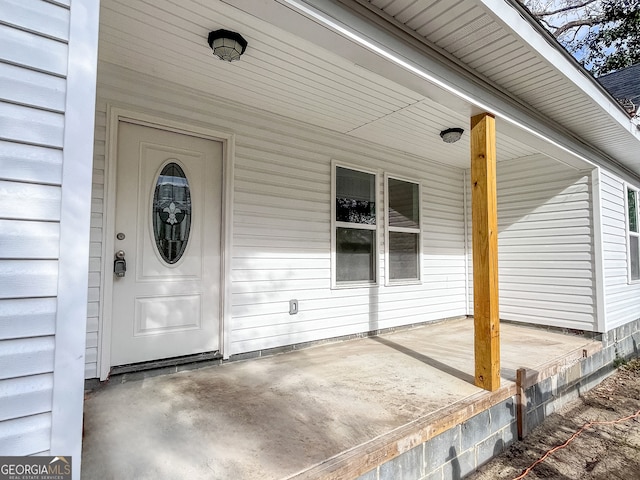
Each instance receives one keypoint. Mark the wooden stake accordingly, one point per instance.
(485, 251)
(521, 408)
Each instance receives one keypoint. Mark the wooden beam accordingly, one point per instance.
(485, 251)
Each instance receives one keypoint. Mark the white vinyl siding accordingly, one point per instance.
(545, 244)
(95, 246)
(282, 223)
(623, 298)
(33, 66)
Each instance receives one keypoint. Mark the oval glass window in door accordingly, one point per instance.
(171, 212)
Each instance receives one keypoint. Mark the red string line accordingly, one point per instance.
(571, 439)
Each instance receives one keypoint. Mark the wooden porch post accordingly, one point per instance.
(485, 251)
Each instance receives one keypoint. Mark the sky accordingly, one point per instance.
(572, 38)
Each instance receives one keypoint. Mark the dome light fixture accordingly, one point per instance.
(451, 135)
(227, 45)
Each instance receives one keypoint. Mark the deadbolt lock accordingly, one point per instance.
(119, 264)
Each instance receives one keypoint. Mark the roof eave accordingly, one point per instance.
(404, 52)
(521, 23)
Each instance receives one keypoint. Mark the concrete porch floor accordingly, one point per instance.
(275, 417)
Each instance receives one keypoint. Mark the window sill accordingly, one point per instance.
(400, 283)
(342, 286)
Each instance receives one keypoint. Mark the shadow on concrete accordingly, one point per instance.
(432, 362)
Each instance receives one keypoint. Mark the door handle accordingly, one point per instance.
(119, 264)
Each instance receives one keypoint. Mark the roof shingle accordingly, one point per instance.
(623, 84)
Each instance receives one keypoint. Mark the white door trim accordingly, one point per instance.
(114, 116)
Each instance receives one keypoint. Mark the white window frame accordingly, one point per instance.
(388, 228)
(335, 225)
(629, 233)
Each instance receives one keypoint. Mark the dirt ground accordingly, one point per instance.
(609, 451)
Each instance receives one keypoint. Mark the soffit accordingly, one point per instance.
(472, 34)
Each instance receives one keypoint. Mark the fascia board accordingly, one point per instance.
(511, 16)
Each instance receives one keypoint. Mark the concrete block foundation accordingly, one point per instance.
(461, 449)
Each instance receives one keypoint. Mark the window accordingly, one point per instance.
(355, 227)
(633, 223)
(403, 242)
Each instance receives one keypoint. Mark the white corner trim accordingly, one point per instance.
(467, 248)
(598, 253)
(108, 229)
(228, 163)
(115, 115)
(75, 216)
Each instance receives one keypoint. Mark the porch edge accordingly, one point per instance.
(456, 440)
(366, 457)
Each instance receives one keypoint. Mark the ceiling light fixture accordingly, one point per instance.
(227, 45)
(451, 135)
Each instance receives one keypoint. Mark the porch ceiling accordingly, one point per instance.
(287, 75)
(299, 69)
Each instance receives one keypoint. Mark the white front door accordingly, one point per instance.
(168, 224)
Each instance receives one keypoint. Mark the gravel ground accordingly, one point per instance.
(606, 451)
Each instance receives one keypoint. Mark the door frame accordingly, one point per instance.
(115, 115)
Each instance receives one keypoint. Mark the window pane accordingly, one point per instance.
(355, 255)
(355, 196)
(403, 256)
(635, 257)
(404, 204)
(171, 213)
(633, 210)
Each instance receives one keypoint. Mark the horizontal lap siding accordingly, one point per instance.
(33, 66)
(545, 244)
(95, 248)
(622, 298)
(282, 243)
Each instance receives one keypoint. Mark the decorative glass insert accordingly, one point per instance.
(355, 255)
(171, 212)
(355, 196)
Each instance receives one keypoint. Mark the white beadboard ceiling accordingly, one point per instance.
(305, 81)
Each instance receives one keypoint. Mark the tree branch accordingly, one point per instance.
(583, 22)
(568, 8)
